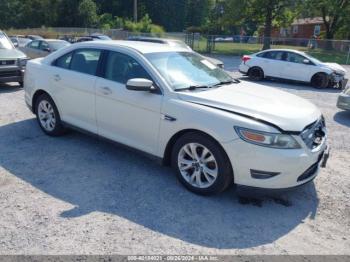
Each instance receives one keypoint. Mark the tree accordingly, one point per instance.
(87, 12)
(334, 14)
(270, 13)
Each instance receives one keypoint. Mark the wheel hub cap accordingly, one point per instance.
(197, 165)
(46, 115)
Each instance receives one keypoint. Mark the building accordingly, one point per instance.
(301, 28)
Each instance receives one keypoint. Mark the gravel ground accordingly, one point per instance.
(80, 195)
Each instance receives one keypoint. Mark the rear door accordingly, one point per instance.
(271, 63)
(73, 81)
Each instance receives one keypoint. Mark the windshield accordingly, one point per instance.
(185, 69)
(177, 43)
(102, 37)
(55, 45)
(313, 59)
(5, 43)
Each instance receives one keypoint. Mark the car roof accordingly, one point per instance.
(142, 47)
(153, 39)
(52, 40)
(283, 50)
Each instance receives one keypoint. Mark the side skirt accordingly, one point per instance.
(152, 157)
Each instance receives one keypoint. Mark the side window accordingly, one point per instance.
(294, 58)
(121, 68)
(64, 61)
(85, 61)
(34, 44)
(276, 55)
(44, 46)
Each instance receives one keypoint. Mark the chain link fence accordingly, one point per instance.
(326, 50)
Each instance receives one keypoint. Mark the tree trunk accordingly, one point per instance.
(329, 39)
(268, 28)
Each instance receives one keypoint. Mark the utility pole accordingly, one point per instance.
(135, 11)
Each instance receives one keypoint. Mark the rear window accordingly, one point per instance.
(82, 60)
(276, 55)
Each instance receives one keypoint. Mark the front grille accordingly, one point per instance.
(314, 134)
(7, 62)
(9, 73)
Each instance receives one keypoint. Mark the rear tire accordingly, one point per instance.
(320, 81)
(256, 74)
(202, 165)
(48, 117)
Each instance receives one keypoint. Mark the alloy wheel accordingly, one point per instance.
(197, 165)
(46, 115)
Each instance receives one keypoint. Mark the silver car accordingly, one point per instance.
(12, 61)
(43, 47)
(344, 99)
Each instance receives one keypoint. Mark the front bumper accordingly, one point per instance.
(11, 75)
(338, 81)
(291, 167)
(343, 102)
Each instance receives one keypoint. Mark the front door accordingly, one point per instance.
(125, 116)
(295, 68)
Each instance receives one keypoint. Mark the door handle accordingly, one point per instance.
(57, 78)
(106, 90)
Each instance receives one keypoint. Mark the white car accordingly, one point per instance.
(174, 104)
(293, 65)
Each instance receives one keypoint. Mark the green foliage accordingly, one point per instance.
(335, 15)
(205, 16)
(87, 13)
(144, 25)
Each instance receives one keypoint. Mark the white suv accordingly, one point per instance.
(293, 65)
(172, 103)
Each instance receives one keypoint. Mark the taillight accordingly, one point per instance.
(246, 58)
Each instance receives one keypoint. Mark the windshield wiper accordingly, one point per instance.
(227, 82)
(192, 88)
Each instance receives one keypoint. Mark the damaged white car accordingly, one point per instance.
(293, 65)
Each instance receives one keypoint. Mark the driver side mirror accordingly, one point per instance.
(47, 49)
(15, 44)
(306, 61)
(140, 84)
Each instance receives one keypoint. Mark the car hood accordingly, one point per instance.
(11, 54)
(286, 111)
(336, 67)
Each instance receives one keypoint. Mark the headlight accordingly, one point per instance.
(274, 140)
(23, 61)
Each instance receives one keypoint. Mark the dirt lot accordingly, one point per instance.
(80, 195)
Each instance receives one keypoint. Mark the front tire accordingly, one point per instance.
(48, 117)
(320, 81)
(202, 165)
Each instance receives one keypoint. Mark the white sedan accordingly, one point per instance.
(172, 103)
(293, 65)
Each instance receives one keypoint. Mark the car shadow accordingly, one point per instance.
(7, 88)
(290, 85)
(94, 175)
(343, 118)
